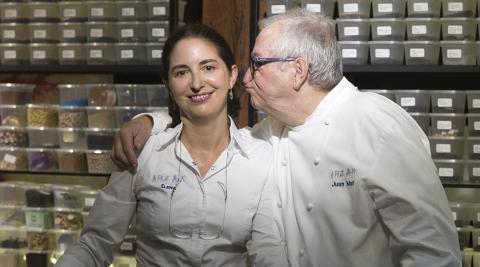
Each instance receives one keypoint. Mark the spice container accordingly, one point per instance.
(43, 137)
(423, 8)
(157, 95)
(473, 122)
(72, 138)
(66, 197)
(388, 8)
(44, 32)
(464, 235)
(275, 7)
(37, 259)
(353, 8)
(158, 9)
(132, 95)
(42, 115)
(11, 194)
(12, 115)
(101, 117)
(353, 29)
(423, 120)
(131, 53)
(88, 197)
(38, 196)
(40, 240)
(458, 28)
(101, 10)
(458, 52)
(475, 214)
(458, 8)
(12, 238)
(99, 161)
(158, 31)
(423, 29)
(42, 160)
(73, 95)
(99, 139)
(14, 12)
(448, 101)
(388, 29)
(15, 33)
(101, 32)
(460, 213)
(154, 53)
(71, 32)
(124, 261)
(15, 93)
(14, 159)
(101, 54)
(450, 170)
(132, 10)
(14, 54)
(12, 216)
(72, 11)
(67, 219)
(102, 95)
(473, 101)
(39, 218)
(46, 94)
(125, 114)
(446, 147)
(319, 6)
(70, 160)
(354, 52)
(413, 100)
(43, 54)
(72, 54)
(386, 52)
(72, 116)
(44, 12)
(473, 147)
(132, 31)
(13, 136)
(447, 124)
(65, 238)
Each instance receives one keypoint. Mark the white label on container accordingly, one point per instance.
(417, 52)
(68, 54)
(8, 34)
(10, 13)
(444, 102)
(455, 6)
(89, 201)
(384, 30)
(420, 7)
(128, 11)
(39, 54)
(68, 137)
(278, 9)
(444, 125)
(476, 103)
(349, 31)
(314, 8)
(454, 53)
(419, 29)
(445, 172)
(39, 13)
(478, 242)
(126, 53)
(96, 11)
(476, 173)
(476, 125)
(69, 12)
(9, 158)
(349, 53)
(96, 32)
(350, 8)
(126, 33)
(478, 217)
(455, 29)
(382, 53)
(68, 33)
(39, 33)
(10, 54)
(157, 53)
(158, 32)
(454, 215)
(96, 53)
(407, 101)
(443, 148)
(159, 11)
(476, 149)
(385, 8)
(126, 246)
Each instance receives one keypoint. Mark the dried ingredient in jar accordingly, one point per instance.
(102, 118)
(39, 241)
(453, 132)
(74, 118)
(100, 163)
(99, 141)
(13, 242)
(42, 161)
(102, 96)
(46, 94)
(12, 217)
(72, 162)
(20, 163)
(15, 97)
(68, 220)
(42, 117)
(16, 138)
(13, 120)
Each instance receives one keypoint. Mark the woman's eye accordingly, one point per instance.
(180, 73)
(209, 68)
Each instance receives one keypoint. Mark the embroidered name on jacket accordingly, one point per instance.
(167, 181)
(343, 177)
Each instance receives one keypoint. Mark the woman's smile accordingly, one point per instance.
(200, 98)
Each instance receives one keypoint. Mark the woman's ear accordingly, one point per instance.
(233, 77)
(301, 73)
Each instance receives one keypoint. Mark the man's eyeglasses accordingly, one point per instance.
(257, 62)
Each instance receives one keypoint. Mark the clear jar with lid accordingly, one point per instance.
(132, 10)
(158, 9)
(13, 115)
(158, 31)
(15, 33)
(42, 115)
(102, 94)
(101, 10)
(44, 12)
(70, 160)
(14, 54)
(72, 32)
(72, 138)
(131, 53)
(101, 54)
(43, 54)
(73, 11)
(101, 32)
(154, 53)
(72, 54)
(15, 159)
(134, 31)
(13, 136)
(16, 93)
(14, 12)
(44, 32)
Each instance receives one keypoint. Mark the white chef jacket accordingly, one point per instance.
(235, 200)
(357, 186)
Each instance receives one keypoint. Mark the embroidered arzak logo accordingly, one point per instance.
(343, 177)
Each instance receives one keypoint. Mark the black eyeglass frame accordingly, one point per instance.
(257, 62)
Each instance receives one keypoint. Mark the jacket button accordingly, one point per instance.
(283, 243)
(309, 206)
(284, 162)
(326, 123)
(279, 204)
(301, 253)
(316, 161)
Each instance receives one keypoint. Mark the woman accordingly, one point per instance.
(202, 193)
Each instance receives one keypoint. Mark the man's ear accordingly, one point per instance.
(301, 73)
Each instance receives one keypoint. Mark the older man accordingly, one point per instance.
(356, 185)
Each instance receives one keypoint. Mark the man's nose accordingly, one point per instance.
(248, 76)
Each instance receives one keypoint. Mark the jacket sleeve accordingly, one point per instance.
(411, 203)
(105, 226)
(266, 247)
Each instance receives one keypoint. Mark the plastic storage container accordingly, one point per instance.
(473, 101)
(423, 29)
(473, 169)
(131, 53)
(101, 10)
(101, 117)
(275, 7)
(99, 139)
(458, 52)
(101, 32)
(319, 6)
(132, 31)
(125, 114)
(353, 8)
(388, 29)
(12, 238)
(458, 28)
(102, 94)
(70, 160)
(448, 101)
(423, 120)
(158, 9)
(12, 115)
(413, 100)
(72, 117)
(473, 147)
(44, 32)
(424, 8)
(101, 54)
(447, 147)
(15, 93)
(14, 54)
(72, 138)
(43, 137)
(354, 52)
(15, 33)
(73, 11)
(132, 95)
(15, 159)
(388, 8)
(353, 29)
(42, 115)
(458, 8)
(40, 159)
(154, 53)
(132, 10)
(448, 124)
(460, 213)
(157, 95)
(88, 198)
(72, 54)
(450, 170)
(473, 122)
(43, 54)
(386, 52)
(72, 32)
(44, 12)
(158, 31)
(14, 12)
(73, 94)
(13, 136)
(422, 53)
(99, 161)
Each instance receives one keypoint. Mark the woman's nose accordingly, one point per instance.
(197, 82)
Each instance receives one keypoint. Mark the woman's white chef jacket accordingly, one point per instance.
(241, 174)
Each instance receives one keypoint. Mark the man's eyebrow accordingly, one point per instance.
(206, 61)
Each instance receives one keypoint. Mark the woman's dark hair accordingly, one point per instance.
(201, 31)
